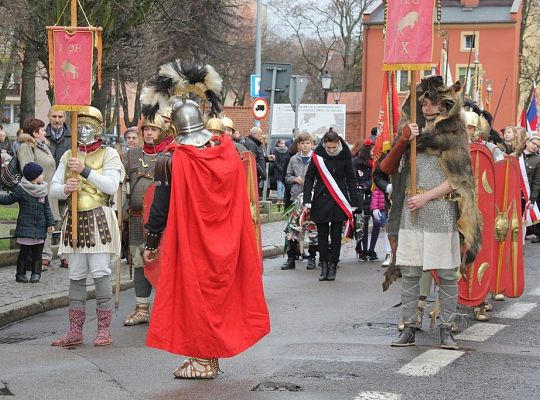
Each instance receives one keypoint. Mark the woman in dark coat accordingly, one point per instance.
(334, 153)
(363, 168)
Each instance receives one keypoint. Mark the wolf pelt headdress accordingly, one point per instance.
(449, 140)
(181, 78)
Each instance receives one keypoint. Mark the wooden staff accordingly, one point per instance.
(413, 141)
(74, 140)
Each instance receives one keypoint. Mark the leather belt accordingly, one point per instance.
(452, 196)
(133, 213)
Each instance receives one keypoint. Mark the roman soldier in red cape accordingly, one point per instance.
(209, 300)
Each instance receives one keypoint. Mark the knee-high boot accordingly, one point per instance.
(75, 334)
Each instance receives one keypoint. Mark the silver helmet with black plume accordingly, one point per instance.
(183, 86)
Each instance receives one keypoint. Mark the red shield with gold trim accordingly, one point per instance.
(475, 284)
(509, 272)
(250, 169)
(151, 270)
(515, 282)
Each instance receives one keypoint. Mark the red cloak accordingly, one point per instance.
(209, 300)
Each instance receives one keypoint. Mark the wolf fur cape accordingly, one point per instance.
(449, 141)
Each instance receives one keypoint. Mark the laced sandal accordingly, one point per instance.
(141, 315)
(480, 313)
(198, 368)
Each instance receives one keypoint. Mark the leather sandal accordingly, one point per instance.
(45, 264)
(198, 368)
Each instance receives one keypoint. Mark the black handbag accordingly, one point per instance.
(10, 175)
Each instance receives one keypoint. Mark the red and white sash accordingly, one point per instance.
(530, 216)
(336, 193)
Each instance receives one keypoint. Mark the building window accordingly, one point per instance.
(6, 116)
(470, 79)
(469, 41)
(16, 113)
(403, 78)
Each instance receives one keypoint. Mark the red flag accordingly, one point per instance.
(409, 35)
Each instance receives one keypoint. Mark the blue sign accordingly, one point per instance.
(256, 86)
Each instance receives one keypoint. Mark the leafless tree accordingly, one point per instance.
(529, 48)
(325, 31)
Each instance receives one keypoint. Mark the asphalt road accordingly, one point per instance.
(329, 340)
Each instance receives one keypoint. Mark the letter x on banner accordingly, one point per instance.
(70, 64)
(409, 35)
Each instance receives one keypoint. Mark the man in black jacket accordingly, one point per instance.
(58, 134)
(254, 144)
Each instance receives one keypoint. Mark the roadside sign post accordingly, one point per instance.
(275, 77)
(298, 87)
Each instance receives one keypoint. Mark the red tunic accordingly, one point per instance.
(209, 300)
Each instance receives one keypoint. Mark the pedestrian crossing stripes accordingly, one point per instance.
(480, 332)
(377, 396)
(430, 362)
(535, 292)
(515, 311)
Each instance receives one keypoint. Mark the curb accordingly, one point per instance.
(38, 305)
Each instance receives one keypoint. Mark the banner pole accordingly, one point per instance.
(74, 140)
(413, 141)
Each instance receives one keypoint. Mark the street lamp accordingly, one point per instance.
(337, 94)
(326, 83)
(489, 90)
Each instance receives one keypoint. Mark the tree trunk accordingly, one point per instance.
(100, 96)
(28, 81)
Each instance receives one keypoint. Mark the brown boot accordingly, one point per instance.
(103, 337)
(75, 334)
(141, 315)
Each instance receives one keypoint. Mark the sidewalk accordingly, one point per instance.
(20, 300)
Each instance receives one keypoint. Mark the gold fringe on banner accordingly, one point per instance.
(60, 107)
(406, 67)
(50, 41)
(99, 54)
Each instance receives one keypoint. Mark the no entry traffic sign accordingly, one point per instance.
(260, 108)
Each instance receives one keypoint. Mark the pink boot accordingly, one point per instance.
(75, 334)
(103, 337)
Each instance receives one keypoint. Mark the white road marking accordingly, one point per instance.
(515, 311)
(535, 292)
(377, 396)
(430, 362)
(480, 332)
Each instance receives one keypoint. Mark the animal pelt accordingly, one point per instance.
(449, 140)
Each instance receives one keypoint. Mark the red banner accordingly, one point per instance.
(387, 123)
(73, 57)
(409, 34)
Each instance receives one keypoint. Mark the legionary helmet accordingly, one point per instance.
(215, 124)
(228, 123)
(179, 83)
(156, 122)
(90, 126)
(189, 121)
